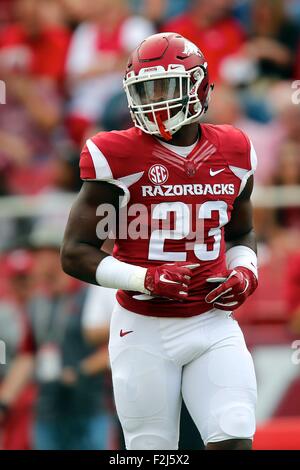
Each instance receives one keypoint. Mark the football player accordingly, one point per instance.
(189, 185)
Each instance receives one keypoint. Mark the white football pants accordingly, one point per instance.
(157, 361)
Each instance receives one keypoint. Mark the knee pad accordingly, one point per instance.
(238, 421)
(151, 442)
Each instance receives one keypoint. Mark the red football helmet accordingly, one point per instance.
(166, 84)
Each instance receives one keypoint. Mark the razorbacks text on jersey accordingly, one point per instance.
(194, 194)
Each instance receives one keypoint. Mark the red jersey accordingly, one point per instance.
(44, 56)
(179, 205)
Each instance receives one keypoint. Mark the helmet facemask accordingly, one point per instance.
(162, 102)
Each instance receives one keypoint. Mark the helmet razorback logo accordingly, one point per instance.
(158, 174)
(190, 48)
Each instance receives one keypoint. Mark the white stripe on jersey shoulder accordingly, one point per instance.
(253, 158)
(104, 173)
(102, 168)
(243, 174)
(131, 179)
(124, 183)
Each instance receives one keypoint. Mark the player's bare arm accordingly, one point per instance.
(239, 231)
(81, 250)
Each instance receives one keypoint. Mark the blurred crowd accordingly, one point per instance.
(62, 62)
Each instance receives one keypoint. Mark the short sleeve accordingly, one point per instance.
(252, 167)
(253, 158)
(242, 158)
(107, 157)
(93, 163)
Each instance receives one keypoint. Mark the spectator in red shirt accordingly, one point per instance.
(209, 25)
(37, 42)
(32, 56)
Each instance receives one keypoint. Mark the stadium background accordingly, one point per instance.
(61, 63)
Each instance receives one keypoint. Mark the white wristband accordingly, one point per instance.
(241, 255)
(118, 275)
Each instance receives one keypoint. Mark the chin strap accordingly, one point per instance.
(162, 128)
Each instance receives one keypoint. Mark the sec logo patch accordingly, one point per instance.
(158, 174)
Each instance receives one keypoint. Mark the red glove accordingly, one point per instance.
(236, 285)
(170, 280)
